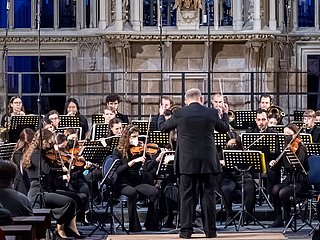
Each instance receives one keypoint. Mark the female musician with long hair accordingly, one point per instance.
(21, 183)
(71, 108)
(63, 207)
(15, 108)
(130, 182)
(284, 191)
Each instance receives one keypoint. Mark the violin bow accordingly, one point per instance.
(145, 142)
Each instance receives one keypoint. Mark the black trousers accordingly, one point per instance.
(152, 193)
(188, 192)
(228, 187)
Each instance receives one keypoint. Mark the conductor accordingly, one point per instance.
(196, 158)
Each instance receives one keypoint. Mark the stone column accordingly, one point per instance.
(118, 21)
(257, 15)
(216, 14)
(237, 7)
(316, 15)
(80, 14)
(136, 14)
(294, 14)
(281, 14)
(33, 13)
(56, 14)
(103, 15)
(93, 14)
(272, 15)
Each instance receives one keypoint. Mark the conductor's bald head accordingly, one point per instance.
(193, 95)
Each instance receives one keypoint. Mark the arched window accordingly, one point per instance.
(47, 14)
(67, 13)
(151, 9)
(306, 13)
(227, 13)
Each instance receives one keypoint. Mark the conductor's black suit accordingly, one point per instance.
(196, 160)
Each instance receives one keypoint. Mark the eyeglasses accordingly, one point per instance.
(17, 103)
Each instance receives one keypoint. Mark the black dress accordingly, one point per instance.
(130, 183)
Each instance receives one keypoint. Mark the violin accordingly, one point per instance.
(295, 145)
(150, 149)
(78, 161)
(55, 155)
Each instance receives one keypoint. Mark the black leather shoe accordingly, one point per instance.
(185, 235)
(211, 234)
(277, 224)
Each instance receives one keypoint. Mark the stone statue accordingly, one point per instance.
(188, 4)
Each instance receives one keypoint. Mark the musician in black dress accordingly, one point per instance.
(130, 181)
(63, 207)
(283, 192)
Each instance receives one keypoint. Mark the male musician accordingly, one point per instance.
(167, 103)
(196, 158)
(53, 115)
(217, 103)
(265, 101)
(318, 116)
(309, 118)
(113, 101)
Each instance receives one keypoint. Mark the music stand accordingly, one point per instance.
(143, 126)
(159, 138)
(296, 164)
(165, 166)
(99, 130)
(313, 149)
(98, 118)
(220, 139)
(94, 154)
(245, 119)
(243, 161)
(18, 123)
(297, 115)
(69, 121)
(62, 130)
(305, 138)
(277, 128)
(6, 151)
(298, 123)
(92, 143)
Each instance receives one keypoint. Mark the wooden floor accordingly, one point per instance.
(228, 236)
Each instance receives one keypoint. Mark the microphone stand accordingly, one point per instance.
(5, 68)
(41, 193)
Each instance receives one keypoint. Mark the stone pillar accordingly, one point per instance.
(281, 14)
(80, 14)
(103, 14)
(272, 15)
(33, 13)
(237, 14)
(294, 14)
(56, 14)
(93, 14)
(257, 15)
(118, 21)
(216, 14)
(316, 15)
(136, 13)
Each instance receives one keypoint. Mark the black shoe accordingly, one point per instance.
(71, 233)
(277, 224)
(168, 225)
(211, 234)
(185, 235)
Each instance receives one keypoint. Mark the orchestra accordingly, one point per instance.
(68, 180)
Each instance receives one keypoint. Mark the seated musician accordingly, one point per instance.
(217, 103)
(17, 203)
(265, 101)
(53, 115)
(21, 182)
(231, 181)
(130, 182)
(309, 119)
(283, 192)
(273, 120)
(63, 207)
(108, 114)
(112, 101)
(318, 116)
(47, 124)
(72, 108)
(168, 104)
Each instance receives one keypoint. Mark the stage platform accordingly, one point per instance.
(221, 236)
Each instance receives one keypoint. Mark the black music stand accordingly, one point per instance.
(305, 138)
(313, 149)
(97, 118)
(94, 154)
(143, 126)
(78, 129)
(277, 128)
(99, 130)
(265, 140)
(69, 121)
(165, 166)
(243, 161)
(298, 123)
(159, 138)
(296, 164)
(18, 123)
(6, 151)
(220, 139)
(298, 115)
(92, 143)
(245, 119)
